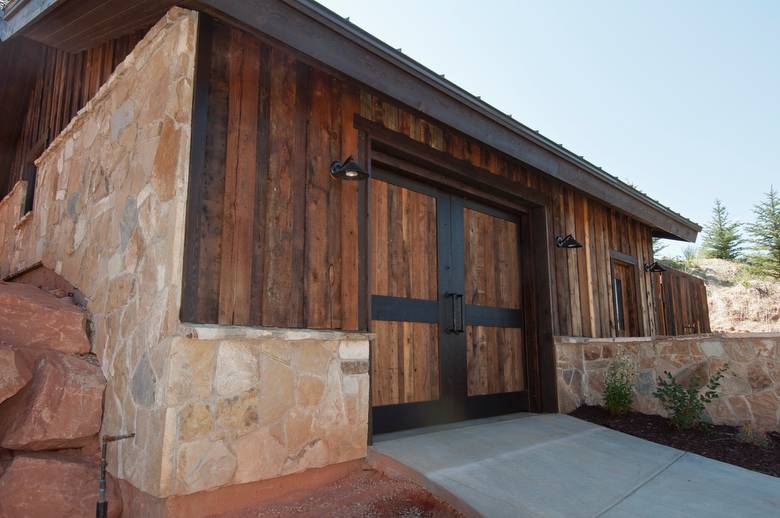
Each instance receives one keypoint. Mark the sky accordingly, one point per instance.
(680, 98)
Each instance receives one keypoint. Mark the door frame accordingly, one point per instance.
(419, 162)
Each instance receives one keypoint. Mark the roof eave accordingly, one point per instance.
(686, 229)
(18, 14)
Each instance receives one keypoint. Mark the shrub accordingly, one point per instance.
(618, 385)
(686, 405)
(748, 434)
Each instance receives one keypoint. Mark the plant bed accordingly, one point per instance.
(717, 442)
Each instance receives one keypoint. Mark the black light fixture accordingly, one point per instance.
(654, 267)
(567, 242)
(349, 169)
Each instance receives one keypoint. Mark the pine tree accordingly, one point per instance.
(722, 238)
(765, 233)
(658, 247)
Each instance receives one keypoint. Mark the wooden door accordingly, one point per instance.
(445, 307)
(494, 318)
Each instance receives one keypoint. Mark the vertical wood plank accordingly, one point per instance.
(240, 174)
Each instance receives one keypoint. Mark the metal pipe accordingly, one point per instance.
(101, 509)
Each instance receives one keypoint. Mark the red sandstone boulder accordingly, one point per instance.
(61, 408)
(14, 372)
(46, 486)
(31, 317)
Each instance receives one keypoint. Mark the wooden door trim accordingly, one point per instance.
(419, 164)
(623, 258)
(443, 168)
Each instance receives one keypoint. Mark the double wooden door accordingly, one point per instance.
(446, 307)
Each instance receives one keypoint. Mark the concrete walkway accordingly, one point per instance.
(559, 466)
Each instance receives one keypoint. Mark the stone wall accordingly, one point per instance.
(750, 391)
(254, 404)
(210, 406)
(108, 216)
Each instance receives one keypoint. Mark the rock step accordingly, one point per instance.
(51, 485)
(31, 317)
(61, 407)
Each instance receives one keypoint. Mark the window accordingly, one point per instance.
(625, 295)
(617, 289)
(30, 173)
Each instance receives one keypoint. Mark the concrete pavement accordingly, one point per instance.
(558, 466)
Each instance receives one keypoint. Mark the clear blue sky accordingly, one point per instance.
(681, 98)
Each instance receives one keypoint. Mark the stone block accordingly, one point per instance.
(353, 350)
(592, 352)
(765, 407)
(277, 393)
(259, 456)
(191, 370)
(739, 350)
(31, 317)
(195, 421)
(309, 390)
(354, 367)
(311, 356)
(238, 414)
(202, 465)
(238, 368)
(758, 378)
(144, 383)
(712, 348)
(61, 408)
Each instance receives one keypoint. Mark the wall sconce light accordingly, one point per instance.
(567, 242)
(347, 170)
(654, 267)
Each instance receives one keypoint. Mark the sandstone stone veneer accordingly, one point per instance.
(750, 391)
(210, 405)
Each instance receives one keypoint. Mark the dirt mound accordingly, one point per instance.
(739, 301)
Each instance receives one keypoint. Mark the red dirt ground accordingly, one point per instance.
(366, 493)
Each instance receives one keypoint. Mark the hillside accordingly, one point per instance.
(738, 301)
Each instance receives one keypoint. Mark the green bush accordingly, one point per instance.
(685, 405)
(619, 386)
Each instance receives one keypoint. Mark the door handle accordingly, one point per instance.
(454, 321)
(458, 312)
(462, 316)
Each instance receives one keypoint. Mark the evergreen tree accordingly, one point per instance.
(658, 247)
(765, 233)
(722, 238)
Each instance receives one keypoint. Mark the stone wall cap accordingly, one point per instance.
(18, 188)
(562, 340)
(608, 340)
(222, 332)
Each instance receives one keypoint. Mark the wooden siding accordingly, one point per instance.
(274, 239)
(64, 84)
(682, 304)
(582, 278)
(297, 266)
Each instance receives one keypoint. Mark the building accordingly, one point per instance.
(255, 311)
